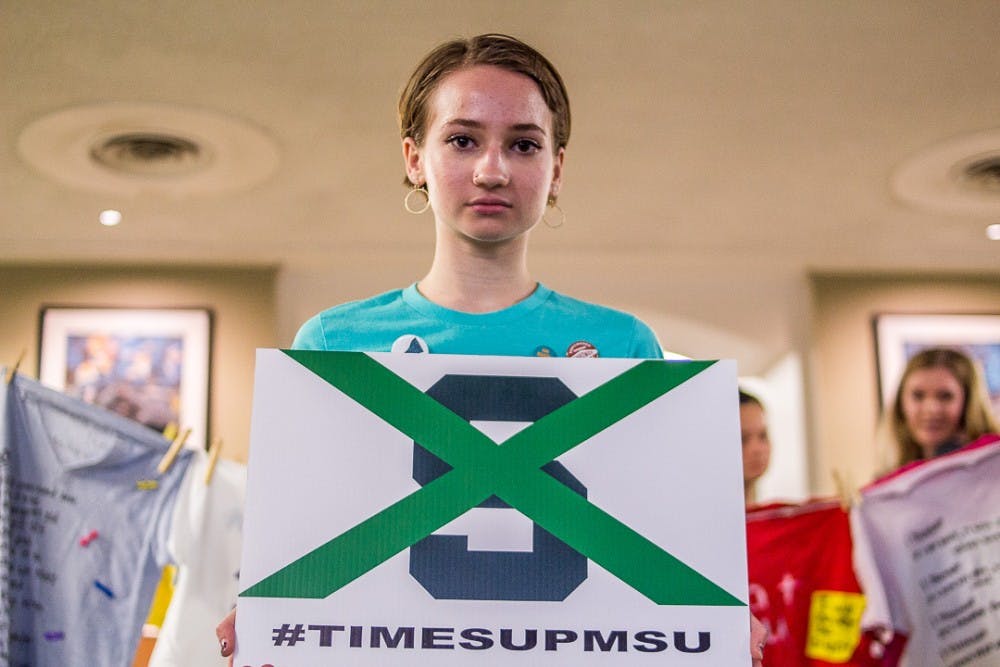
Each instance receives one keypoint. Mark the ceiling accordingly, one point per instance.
(721, 151)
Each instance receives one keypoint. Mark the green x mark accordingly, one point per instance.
(480, 469)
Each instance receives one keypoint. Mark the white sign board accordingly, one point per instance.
(554, 512)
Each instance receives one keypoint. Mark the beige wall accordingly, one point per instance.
(840, 368)
(241, 298)
(843, 381)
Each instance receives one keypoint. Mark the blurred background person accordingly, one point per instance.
(941, 405)
(756, 442)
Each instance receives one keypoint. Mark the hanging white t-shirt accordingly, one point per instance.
(84, 520)
(927, 554)
(206, 542)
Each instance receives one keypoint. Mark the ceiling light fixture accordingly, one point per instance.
(993, 232)
(150, 154)
(958, 176)
(110, 217)
(983, 174)
(148, 149)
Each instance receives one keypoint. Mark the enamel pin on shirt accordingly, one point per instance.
(410, 344)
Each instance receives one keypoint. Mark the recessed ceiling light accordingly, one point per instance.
(150, 154)
(958, 176)
(110, 217)
(993, 232)
(983, 174)
(130, 149)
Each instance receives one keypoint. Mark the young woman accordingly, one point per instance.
(941, 405)
(756, 442)
(484, 124)
(484, 127)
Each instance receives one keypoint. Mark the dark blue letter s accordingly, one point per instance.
(443, 564)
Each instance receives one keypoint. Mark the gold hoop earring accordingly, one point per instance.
(408, 205)
(562, 216)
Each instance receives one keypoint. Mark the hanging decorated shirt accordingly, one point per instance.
(802, 585)
(206, 542)
(927, 551)
(84, 519)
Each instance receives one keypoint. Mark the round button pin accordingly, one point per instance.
(410, 344)
(581, 349)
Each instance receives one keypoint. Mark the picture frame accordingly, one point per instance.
(898, 336)
(149, 364)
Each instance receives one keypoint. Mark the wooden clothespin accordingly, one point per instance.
(175, 448)
(213, 458)
(845, 489)
(170, 431)
(13, 369)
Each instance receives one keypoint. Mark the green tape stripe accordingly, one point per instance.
(482, 469)
(372, 542)
(559, 431)
(614, 546)
(399, 404)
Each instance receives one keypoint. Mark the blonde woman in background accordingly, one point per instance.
(941, 406)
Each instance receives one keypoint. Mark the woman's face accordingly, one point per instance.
(933, 403)
(487, 158)
(756, 443)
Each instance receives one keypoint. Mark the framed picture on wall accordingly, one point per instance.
(899, 336)
(151, 365)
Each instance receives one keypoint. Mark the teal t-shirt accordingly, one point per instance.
(546, 323)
